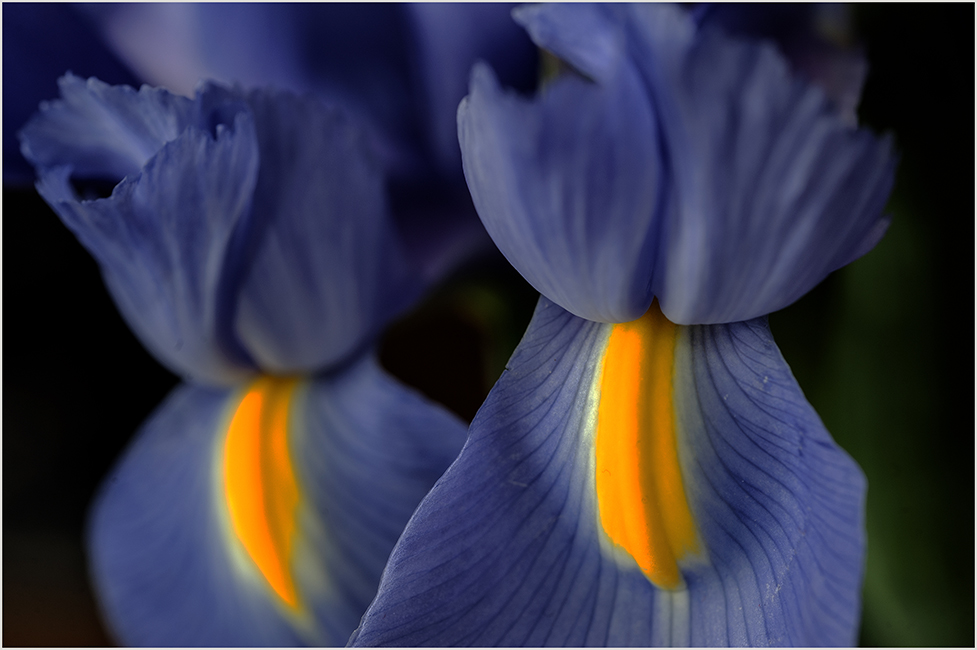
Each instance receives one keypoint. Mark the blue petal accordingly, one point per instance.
(357, 55)
(507, 549)
(567, 186)
(449, 39)
(815, 38)
(163, 237)
(327, 270)
(585, 36)
(167, 565)
(103, 131)
(40, 42)
(734, 187)
(772, 190)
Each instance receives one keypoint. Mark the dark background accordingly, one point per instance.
(884, 349)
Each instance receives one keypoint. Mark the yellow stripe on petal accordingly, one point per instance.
(640, 495)
(259, 481)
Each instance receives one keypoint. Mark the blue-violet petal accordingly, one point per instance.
(569, 195)
(511, 546)
(264, 515)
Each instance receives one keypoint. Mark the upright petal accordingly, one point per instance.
(166, 237)
(816, 38)
(102, 131)
(448, 39)
(772, 190)
(723, 184)
(748, 517)
(40, 42)
(264, 516)
(327, 270)
(569, 195)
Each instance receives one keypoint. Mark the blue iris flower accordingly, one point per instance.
(647, 470)
(401, 68)
(249, 245)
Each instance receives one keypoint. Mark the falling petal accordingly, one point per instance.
(746, 517)
(264, 516)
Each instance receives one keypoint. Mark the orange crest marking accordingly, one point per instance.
(640, 494)
(259, 481)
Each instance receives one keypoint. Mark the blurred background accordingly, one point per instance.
(884, 350)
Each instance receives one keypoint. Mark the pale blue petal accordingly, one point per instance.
(568, 187)
(771, 189)
(102, 131)
(366, 451)
(327, 271)
(165, 239)
(506, 549)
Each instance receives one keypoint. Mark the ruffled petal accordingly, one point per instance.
(214, 531)
(102, 131)
(357, 55)
(759, 540)
(567, 186)
(740, 186)
(327, 271)
(771, 190)
(40, 42)
(166, 238)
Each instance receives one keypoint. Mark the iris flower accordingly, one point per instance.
(647, 470)
(400, 68)
(247, 241)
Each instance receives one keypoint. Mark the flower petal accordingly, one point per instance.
(739, 186)
(815, 38)
(327, 271)
(569, 195)
(40, 42)
(165, 239)
(449, 38)
(584, 35)
(514, 545)
(176, 533)
(772, 190)
(102, 131)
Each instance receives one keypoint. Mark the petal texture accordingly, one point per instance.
(449, 38)
(326, 270)
(165, 239)
(249, 230)
(716, 180)
(816, 39)
(104, 131)
(169, 557)
(557, 188)
(40, 42)
(510, 549)
(772, 189)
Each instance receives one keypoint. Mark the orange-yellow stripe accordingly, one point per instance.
(640, 494)
(259, 481)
